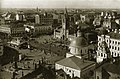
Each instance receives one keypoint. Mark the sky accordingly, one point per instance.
(60, 3)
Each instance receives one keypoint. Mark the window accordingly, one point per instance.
(107, 40)
(116, 42)
(112, 53)
(98, 54)
(112, 47)
(113, 42)
(110, 41)
(99, 39)
(104, 55)
(118, 54)
(69, 70)
(97, 77)
(118, 48)
(115, 48)
(115, 54)
(81, 51)
(101, 54)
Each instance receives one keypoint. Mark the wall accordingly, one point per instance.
(68, 70)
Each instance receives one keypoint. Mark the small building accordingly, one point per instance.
(46, 18)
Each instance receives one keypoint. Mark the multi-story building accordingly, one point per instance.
(37, 19)
(46, 18)
(15, 30)
(108, 45)
(38, 29)
(20, 16)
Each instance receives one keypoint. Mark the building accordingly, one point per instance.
(20, 16)
(14, 30)
(37, 19)
(64, 31)
(97, 21)
(5, 31)
(7, 18)
(110, 44)
(1, 47)
(46, 18)
(38, 29)
(74, 64)
(108, 71)
(17, 30)
(78, 47)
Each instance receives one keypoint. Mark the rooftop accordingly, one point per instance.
(75, 62)
(79, 42)
(114, 35)
(109, 67)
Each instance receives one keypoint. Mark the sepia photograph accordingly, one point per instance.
(59, 39)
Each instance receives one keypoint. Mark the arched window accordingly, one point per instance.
(81, 51)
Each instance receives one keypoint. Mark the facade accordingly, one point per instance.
(38, 29)
(15, 30)
(37, 19)
(43, 29)
(111, 45)
(46, 18)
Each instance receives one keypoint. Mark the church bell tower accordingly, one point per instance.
(65, 25)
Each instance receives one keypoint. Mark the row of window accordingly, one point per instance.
(71, 71)
(113, 42)
(113, 54)
(101, 54)
(115, 48)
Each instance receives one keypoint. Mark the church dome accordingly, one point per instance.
(79, 42)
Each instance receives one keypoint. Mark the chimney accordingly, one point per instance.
(112, 30)
(115, 31)
(119, 31)
(108, 30)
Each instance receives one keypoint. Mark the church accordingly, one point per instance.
(74, 64)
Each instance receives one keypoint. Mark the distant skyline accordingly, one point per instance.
(60, 3)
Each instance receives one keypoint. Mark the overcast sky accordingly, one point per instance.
(60, 3)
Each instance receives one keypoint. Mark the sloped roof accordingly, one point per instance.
(113, 68)
(114, 35)
(75, 63)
